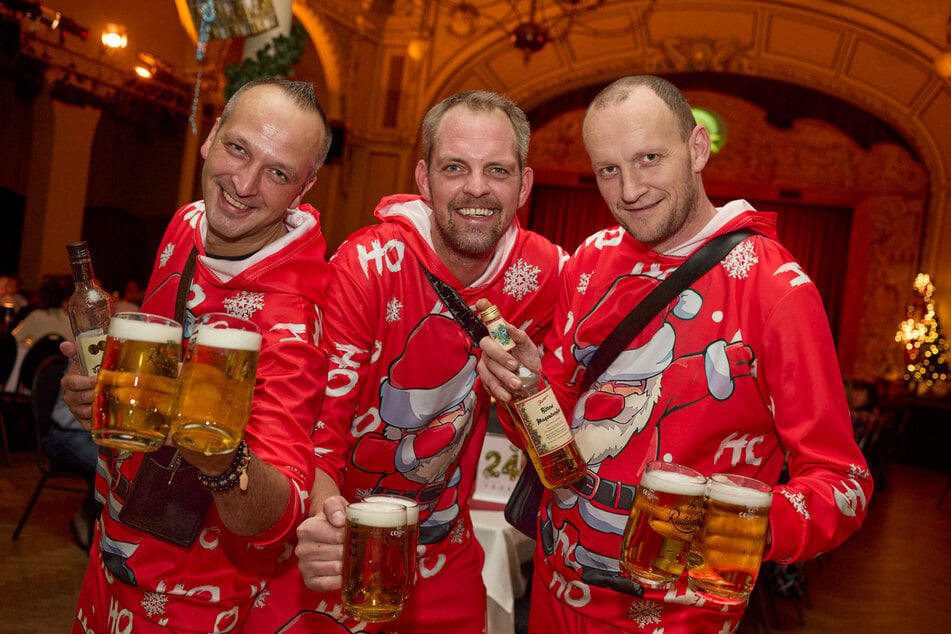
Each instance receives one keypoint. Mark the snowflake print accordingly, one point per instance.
(261, 599)
(244, 304)
(166, 254)
(457, 534)
(393, 308)
(521, 279)
(362, 493)
(858, 472)
(154, 603)
(798, 500)
(583, 283)
(740, 260)
(644, 612)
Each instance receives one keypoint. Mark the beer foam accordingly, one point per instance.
(412, 508)
(230, 338)
(380, 514)
(122, 328)
(729, 493)
(674, 482)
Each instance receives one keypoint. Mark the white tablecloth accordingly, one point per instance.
(506, 550)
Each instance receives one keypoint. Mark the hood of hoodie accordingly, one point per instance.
(294, 263)
(413, 212)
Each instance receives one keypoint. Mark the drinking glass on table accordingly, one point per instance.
(727, 550)
(214, 395)
(666, 513)
(135, 386)
(375, 573)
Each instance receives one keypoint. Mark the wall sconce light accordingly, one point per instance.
(942, 65)
(114, 37)
(146, 67)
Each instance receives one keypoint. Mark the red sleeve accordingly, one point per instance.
(826, 498)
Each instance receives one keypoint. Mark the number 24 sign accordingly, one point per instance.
(500, 464)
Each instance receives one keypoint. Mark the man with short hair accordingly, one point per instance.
(737, 375)
(404, 412)
(258, 253)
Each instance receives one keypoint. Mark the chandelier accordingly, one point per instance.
(530, 25)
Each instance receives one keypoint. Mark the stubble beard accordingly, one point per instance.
(470, 242)
(686, 196)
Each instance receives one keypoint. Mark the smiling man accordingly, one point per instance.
(404, 413)
(737, 375)
(251, 249)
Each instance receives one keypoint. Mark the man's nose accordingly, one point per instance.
(632, 186)
(477, 184)
(246, 181)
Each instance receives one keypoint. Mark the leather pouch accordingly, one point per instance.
(521, 511)
(166, 499)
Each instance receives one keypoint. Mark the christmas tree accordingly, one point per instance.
(926, 350)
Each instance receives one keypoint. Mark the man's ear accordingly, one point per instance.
(303, 190)
(422, 181)
(528, 177)
(699, 148)
(209, 139)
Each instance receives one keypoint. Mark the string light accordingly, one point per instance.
(926, 351)
(208, 18)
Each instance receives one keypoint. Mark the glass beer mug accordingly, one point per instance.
(375, 556)
(727, 550)
(666, 513)
(136, 384)
(412, 528)
(214, 395)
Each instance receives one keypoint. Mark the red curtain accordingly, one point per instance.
(817, 236)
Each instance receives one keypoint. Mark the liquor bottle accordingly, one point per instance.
(90, 307)
(548, 438)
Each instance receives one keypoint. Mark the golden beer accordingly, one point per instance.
(217, 384)
(375, 575)
(667, 511)
(727, 551)
(412, 528)
(136, 384)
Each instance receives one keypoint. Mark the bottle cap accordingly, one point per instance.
(78, 251)
(489, 314)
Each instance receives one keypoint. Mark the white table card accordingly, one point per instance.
(500, 464)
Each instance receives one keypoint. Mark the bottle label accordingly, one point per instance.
(91, 345)
(544, 421)
(500, 333)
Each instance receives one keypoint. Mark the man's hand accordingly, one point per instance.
(77, 387)
(320, 545)
(497, 368)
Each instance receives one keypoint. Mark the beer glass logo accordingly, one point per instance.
(686, 521)
(164, 363)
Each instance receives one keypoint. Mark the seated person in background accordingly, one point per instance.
(130, 300)
(10, 293)
(49, 317)
(68, 442)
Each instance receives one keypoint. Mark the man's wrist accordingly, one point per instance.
(235, 475)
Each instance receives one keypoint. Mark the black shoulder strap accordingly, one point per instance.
(184, 283)
(457, 306)
(682, 277)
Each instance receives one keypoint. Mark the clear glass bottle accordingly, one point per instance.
(90, 307)
(548, 438)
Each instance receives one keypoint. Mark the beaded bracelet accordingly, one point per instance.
(235, 474)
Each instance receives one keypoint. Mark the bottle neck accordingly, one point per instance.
(82, 271)
(500, 333)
